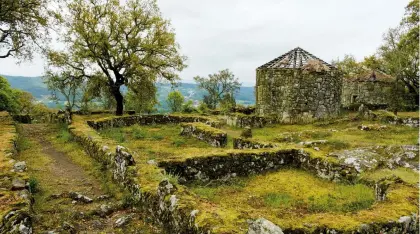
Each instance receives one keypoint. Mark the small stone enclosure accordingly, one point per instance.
(298, 87)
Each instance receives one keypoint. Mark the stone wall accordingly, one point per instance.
(148, 120)
(373, 93)
(213, 136)
(14, 190)
(249, 163)
(241, 143)
(161, 207)
(241, 120)
(296, 96)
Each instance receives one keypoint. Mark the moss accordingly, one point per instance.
(406, 175)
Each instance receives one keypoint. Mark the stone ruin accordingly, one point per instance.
(298, 87)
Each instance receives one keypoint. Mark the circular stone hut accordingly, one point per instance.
(298, 87)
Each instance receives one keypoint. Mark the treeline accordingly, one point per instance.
(398, 56)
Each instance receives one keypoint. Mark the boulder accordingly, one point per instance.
(79, 197)
(263, 226)
(18, 184)
(20, 166)
(246, 132)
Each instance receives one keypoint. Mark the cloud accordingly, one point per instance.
(244, 34)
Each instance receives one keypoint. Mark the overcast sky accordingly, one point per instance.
(244, 34)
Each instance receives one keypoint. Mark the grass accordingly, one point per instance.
(407, 175)
(292, 197)
(288, 198)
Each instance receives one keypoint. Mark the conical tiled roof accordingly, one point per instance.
(296, 58)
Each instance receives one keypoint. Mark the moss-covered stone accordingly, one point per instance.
(213, 136)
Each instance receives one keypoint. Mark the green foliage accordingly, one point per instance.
(179, 142)
(33, 185)
(23, 27)
(349, 67)
(218, 86)
(119, 43)
(203, 108)
(141, 97)
(175, 101)
(227, 103)
(188, 107)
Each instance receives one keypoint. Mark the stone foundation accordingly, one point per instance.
(115, 122)
(213, 136)
(16, 217)
(240, 143)
(251, 163)
(253, 121)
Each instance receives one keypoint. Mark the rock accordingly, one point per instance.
(20, 166)
(165, 188)
(79, 197)
(312, 143)
(246, 132)
(103, 197)
(263, 226)
(69, 228)
(151, 162)
(316, 148)
(405, 220)
(18, 184)
(105, 148)
(104, 210)
(122, 221)
(97, 224)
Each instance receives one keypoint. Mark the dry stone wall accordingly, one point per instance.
(148, 120)
(375, 93)
(249, 163)
(15, 214)
(296, 96)
(161, 207)
(241, 120)
(241, 143)
(213, 136)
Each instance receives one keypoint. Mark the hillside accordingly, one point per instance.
(39, 90)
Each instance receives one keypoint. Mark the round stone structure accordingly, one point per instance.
(298, 87)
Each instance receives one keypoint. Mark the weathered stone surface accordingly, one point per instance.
(370, 92)
(213, 136)
(295, 96)
(18, 184)
(263, 226)
(20, 166)
(80, 197)
(122, 221)
(368, 158)
(254, 121)
(248, 163)
(148, 120)
(239, 143)
(16, 221)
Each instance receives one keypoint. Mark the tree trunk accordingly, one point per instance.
(119, 99)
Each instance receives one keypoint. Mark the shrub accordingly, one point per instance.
(175, 101)
(188, 107)
(33, 185)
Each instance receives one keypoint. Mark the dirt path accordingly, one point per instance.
(59, 170)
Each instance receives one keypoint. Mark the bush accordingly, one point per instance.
(175, 101)
(33, 185)
(188, 107)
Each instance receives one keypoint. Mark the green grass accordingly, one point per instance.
(407, 175)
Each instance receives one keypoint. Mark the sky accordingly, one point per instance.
(243, 34)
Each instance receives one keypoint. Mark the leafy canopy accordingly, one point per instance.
(175, 100)
(116, 43)
(218, 85)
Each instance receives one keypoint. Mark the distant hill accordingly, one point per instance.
(39, 90)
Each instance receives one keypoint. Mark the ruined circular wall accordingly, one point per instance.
(297, 96)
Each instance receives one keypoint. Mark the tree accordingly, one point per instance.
(25, 101)
(23, 27)
(62, 78)
(217, 86)
(349, 67)
(400, 49)
(175, 100)
(142, 99)
(7, 98)
(128, 42)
